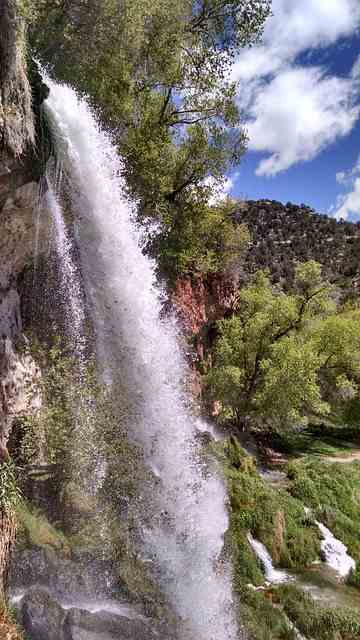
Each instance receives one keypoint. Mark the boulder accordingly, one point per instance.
(76, 507)
(79, 577)
(102, 625)
(41, 616)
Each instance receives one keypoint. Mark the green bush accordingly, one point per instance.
(317, 622)
(262, 620)
(10, 494)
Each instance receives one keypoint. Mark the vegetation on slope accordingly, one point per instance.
(332, 490)
(276, 516)
(283, 235)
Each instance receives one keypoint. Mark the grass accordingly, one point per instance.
(261, 619)
(317, 622)
(318, 440)
(272, 515)
(276, 517)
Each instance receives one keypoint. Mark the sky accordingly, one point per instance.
(299, 96)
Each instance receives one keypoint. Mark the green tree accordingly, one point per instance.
(285, 357)
(158, 71)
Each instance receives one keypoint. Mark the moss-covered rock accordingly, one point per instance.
(36, 530)
(274, 517)
(76, 507)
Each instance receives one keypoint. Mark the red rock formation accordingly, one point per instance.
(199, 303)
(203, 300)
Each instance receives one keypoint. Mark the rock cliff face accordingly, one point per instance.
(17, 127)
(19, 175)
(199, 303)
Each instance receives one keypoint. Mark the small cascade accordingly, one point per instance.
(182, 515)
(272, 575)
(335, 552)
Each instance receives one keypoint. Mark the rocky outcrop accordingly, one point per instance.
(19, 174)
(63, 577)
(19, 376)
(203, 300)
(17, 128)
(20, 233)
(43, 618)
(199, 302)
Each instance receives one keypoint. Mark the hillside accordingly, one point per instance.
(282, 235)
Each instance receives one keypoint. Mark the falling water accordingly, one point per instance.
(275, 576)
(70, 284)
(335, 552)
(183, 539)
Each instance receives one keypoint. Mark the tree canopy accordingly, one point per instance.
(284, 358)
(159, 71)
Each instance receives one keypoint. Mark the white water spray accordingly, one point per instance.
(335, 552)
(272, 575)
(69, 277)
(184, 540)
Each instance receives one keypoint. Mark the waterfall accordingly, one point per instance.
(70, 284)
(274, 576)
(182, 533)
(335, 552)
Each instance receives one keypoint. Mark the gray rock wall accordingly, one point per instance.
(20, 233)
(17, 128)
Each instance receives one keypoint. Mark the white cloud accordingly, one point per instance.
(349, 203)
(297, 114)
(295, 27)
(292, 112)
(219, 191)
(341, 177)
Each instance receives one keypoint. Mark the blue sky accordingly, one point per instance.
(299, 93)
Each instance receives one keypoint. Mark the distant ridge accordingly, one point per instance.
(282, 235)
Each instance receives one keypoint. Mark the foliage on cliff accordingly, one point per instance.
(284, 357)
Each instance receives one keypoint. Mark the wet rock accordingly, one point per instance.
(19, 385)
(76, 507)
(64, 577)
(83, 625)
(41, 616)
(19, 230)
